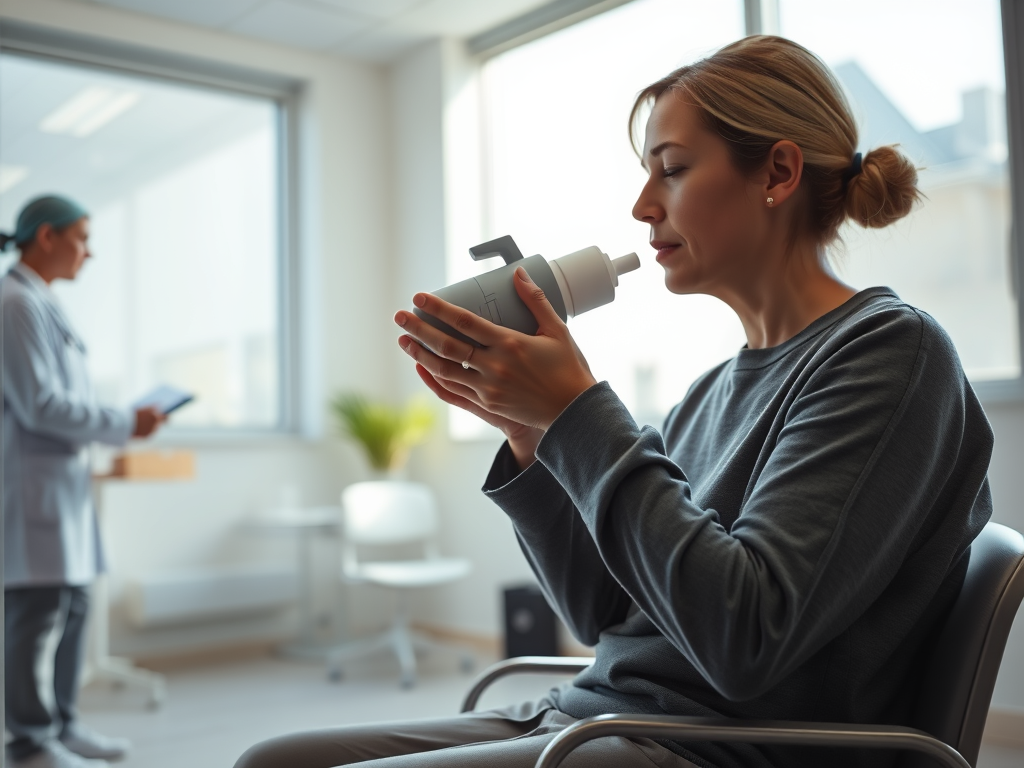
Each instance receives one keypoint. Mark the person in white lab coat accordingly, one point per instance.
(52, 550)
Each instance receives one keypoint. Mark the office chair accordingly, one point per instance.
(952, 706)
(384, 513)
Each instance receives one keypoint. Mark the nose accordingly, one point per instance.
(646, 208)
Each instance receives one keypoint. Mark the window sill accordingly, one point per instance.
(251, 439)
(1006, 391)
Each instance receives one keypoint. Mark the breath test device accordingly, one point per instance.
(573, 284)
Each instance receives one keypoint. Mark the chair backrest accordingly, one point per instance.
(387, 512)
(961, 674)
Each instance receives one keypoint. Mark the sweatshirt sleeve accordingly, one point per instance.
(827, 520)
(33, 390)
(558, 547)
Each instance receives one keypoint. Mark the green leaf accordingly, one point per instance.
(384, 431)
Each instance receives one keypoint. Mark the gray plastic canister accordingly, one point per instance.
(573, 284)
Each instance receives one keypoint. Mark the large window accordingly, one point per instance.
(940, 94)
(562, 175)
(183, 186)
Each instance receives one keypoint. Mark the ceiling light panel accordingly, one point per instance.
(11, 176)
(88, 111)
(103, 114)
(70, 113)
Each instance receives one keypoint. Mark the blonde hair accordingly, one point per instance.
(763, 89)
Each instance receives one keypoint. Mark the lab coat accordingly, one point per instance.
(50, 417)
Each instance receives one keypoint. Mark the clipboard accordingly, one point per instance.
(165, 399)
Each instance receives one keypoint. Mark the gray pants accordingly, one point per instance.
(31, 614)
(511, 737)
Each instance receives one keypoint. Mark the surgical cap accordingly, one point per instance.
(54, 210)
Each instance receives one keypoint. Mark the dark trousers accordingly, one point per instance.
(509, 737)
(31, 615)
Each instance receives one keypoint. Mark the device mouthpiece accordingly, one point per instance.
(626, 263)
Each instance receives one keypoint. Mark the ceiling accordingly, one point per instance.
(374, 30)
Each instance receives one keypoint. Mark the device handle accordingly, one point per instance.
(503, 246)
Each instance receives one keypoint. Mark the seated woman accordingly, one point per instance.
(788, 545)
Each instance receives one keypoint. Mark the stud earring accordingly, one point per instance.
(770, 201)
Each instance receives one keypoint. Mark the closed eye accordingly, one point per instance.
(672, 170)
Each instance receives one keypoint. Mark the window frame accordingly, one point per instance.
(762, 17)
(30, 41)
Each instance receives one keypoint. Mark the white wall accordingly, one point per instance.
(345, 269)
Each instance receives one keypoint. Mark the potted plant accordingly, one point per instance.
(384, 431)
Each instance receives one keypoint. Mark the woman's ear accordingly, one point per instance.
(44, 237)
(783, 170)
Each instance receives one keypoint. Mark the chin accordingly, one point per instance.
(681, 284)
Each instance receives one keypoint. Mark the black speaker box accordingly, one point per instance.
(530, 624)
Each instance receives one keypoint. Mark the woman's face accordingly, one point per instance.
(705, 215)
(68, 248)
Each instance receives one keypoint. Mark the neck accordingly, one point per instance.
(37, 265)
(786, 295)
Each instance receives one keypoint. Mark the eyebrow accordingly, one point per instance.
(659, 149)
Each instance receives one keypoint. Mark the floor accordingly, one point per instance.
(213, 713)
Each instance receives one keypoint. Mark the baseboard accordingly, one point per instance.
(1005, 727)
(208, 656)
(488, 645)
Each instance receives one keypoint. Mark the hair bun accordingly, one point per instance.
(884, 191)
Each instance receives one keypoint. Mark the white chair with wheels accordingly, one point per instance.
(385, 513)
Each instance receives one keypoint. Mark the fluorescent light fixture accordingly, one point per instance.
(11, 175)
(105, 113)
(88, 111)
(68, 115)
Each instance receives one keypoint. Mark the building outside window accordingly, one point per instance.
(184, 188)
(561, 174)
(940, 94)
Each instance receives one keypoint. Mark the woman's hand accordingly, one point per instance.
(523, 440)
(147, 420)
(526, 380)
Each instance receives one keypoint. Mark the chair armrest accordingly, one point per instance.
(569, 665)
(747, 731)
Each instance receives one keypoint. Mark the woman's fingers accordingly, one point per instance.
(462, 320)
(442, 392)
(445, 368)
(445, 394)
(437, 341)
(537, 302)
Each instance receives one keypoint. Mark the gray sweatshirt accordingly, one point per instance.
(785, 551)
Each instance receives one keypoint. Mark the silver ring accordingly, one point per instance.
(465, 363)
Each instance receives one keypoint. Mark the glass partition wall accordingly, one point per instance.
(183, 186)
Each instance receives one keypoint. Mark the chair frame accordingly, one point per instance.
(684, 729)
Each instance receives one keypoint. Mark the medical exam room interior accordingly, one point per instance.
(269, 181)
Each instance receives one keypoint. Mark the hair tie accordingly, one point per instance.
(853, 170)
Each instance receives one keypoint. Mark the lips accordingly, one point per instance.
(664, 248)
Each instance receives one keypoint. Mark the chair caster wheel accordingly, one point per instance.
(334, 675)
